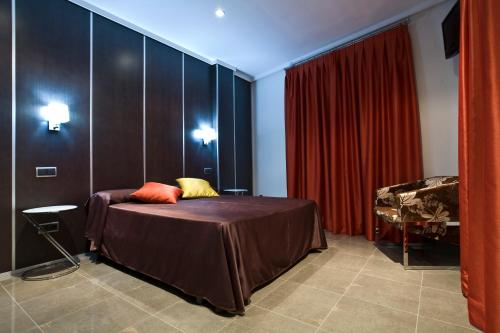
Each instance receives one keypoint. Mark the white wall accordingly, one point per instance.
(437, 88)
(269, 160)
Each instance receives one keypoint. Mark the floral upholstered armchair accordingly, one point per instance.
(423, 207)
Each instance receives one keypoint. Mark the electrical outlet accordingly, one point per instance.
(207, 171)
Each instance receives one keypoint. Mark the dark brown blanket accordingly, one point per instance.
(219, 249)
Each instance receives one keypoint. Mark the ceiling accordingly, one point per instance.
(257, 36)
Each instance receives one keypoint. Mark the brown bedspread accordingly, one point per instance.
(219, 249)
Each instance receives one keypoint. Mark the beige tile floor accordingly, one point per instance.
(351, 287)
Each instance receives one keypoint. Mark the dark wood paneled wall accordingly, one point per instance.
(53, 65)
(5, 134)
(199, 79)
(243, 128)
(164, 162)
(117, 119)
(226, 128)
(52, 62)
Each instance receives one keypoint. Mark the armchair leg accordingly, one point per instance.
(406, 265)
(405, 246)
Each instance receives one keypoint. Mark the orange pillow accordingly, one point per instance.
(158, 193)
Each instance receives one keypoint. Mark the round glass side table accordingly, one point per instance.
(48, 271)
(236, 191)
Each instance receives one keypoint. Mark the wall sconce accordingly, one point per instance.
(205, 133)
(55, 114)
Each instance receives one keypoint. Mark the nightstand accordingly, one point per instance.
(236, 191)
(45, 229)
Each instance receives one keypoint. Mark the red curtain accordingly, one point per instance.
(352, 126)
(479, 160)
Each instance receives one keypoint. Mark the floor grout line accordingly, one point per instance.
(448, 291)
(334, 267)
(453, 324)
(382, 305)
(375, 275)
(286, 316)
(229, 322)
(83, 307)
(22, 309)
(419, 301)
(343, 294)
(266, 293)
(343, 251)
(119, 295)
(391, 280)
(308, 286)
(49, 293)
(163, 321)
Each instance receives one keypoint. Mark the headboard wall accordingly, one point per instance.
(117, 110)
(134, 103)
(226, 102)
(164, 116)
(243, 142)
(199, 80)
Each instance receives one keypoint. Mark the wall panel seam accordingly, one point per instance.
(183, 121)
(91, 107)
(13, 143)
(234, 132)
(217, 122)
(144, 107)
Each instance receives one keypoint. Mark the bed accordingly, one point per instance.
(219, 249)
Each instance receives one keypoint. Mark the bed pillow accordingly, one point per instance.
(196, 188)
(157, 193)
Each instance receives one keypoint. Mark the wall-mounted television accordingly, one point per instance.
(451, 31)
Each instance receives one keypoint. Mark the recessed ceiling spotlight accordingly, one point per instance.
(220, 13)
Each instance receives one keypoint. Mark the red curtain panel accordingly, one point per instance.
(479, 160)
(352, 126)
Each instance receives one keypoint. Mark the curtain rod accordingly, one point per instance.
(353, 41)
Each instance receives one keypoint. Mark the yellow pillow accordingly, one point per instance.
(196, 188)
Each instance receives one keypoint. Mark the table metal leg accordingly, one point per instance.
(75, 262)
(58, 246)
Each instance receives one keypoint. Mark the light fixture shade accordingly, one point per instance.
(55, 114)
(205, 133)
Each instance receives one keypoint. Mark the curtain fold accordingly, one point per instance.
(352, 126)
(479, 160)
